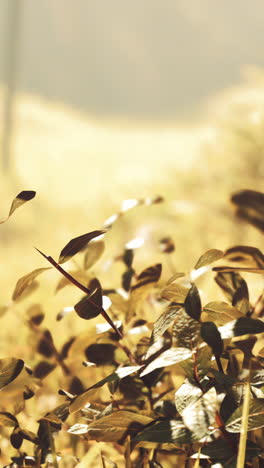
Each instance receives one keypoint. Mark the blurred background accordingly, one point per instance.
(104, 101)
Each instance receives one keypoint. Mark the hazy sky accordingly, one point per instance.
(153, 59)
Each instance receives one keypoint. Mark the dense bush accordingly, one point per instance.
(159, 378)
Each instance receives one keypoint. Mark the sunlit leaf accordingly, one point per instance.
(192, 303)
(221, 312)
(10, 368)
(167, 358)
(186, 330)
(209, 257)
(93, 253)
(77, 244)
(80, 275)
(78, 429)
(186, 394)
(117, 426)
(169, 431)
(135, 243)
(163, 322)
(255, 418)
(199, 415)
(20, 199)
(26, 281)
(175, 292)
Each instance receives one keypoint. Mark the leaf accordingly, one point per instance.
(148, 276)
(192, 303)
(167, 358)
(10, 368)
(229, 282)
(255, 417)
(20, 199)
(175, 293)
(186, 394)
(117, 426)
(79, 275)
(26, 281)
(220, 312)
(242, 326)
(198, 416)
(90, 306)
(209, 257)
(78, 429)
(46, 345)
(81, 400)
(249, 206)
(93, 253)
(212, 337)
(7, 419)
(167, 245)
(43, 368)
(35, 314)
(163, 322)
(246, 255)
(226, 269)
(171, 431)
(77, 244)
(185, 331)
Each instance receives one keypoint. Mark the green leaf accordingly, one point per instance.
(212, 337)
(90, 306)
(20, 199)
(193, 304)
(170, 431)
(255, 417)
(220, 312)
(10, 368)
(26, 281)
(117, 426)
(209, 257)
(77, 244)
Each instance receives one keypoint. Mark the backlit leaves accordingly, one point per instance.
(10, 368)
(25, 282)
(20, 199)
(77, 244)
(209, 257)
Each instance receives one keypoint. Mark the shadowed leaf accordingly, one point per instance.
(192, 303)
(246, 255)
(90, 306)
(255, 416)
(77, 244)
(250, 207)
(169, 431)
(212, 337)
(20, 199)
(148, 276)
(10, 368)
(7, 419)
(26, 281)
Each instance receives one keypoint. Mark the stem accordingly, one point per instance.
(52, 446)
(244, 425)
(82, 288)
(88, 291)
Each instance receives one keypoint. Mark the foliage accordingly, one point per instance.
(158, 378)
